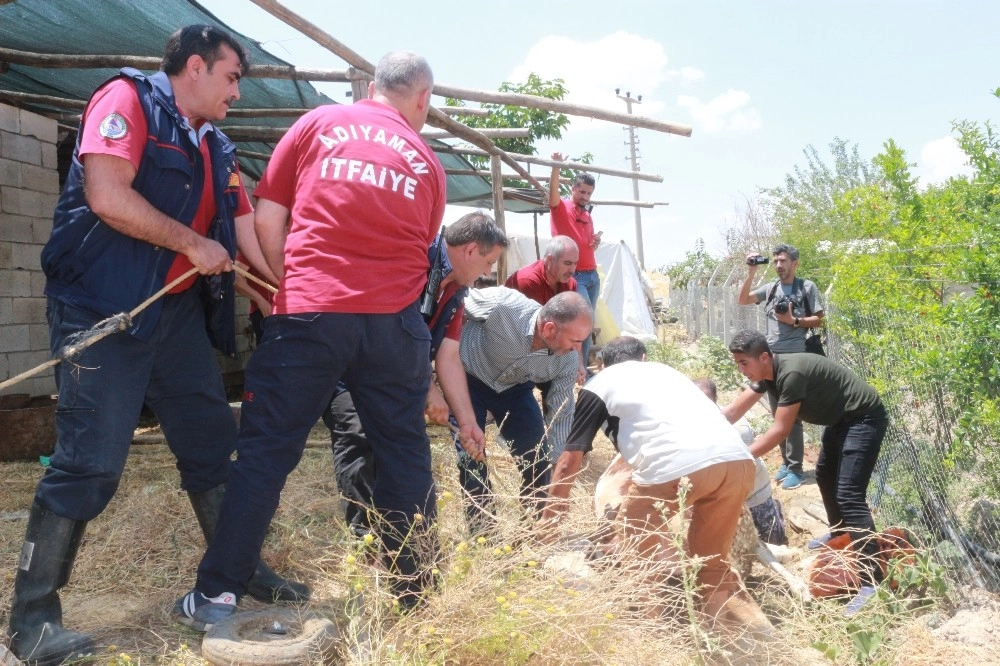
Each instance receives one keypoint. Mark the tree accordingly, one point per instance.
(541, 124)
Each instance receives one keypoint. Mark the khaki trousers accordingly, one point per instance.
(715, 500)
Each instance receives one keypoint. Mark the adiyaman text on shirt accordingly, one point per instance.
(341, 168)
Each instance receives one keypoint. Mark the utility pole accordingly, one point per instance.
(632, 141)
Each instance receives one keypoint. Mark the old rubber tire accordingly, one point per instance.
(240, 640)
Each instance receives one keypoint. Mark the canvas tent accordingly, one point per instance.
(625, 291)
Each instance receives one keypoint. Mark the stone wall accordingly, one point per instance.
(29, 187)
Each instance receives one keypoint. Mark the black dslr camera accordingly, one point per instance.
(782, 304)
(757, 260)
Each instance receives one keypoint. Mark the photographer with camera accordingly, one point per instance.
(792, 308)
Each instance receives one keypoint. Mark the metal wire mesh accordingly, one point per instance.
(919, 482)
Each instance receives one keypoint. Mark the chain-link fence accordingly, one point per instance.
(919, 482)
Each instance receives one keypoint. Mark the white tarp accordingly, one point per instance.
(624, 288)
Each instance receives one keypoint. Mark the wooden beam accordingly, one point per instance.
(313, 31)
(265, 157)
(435, 117)
(152, 63)
(498, 214)
(537, 102)
(506, 176)
(438, 119)
(491, 132)
(578, 166)
(464, 111)
(265, 133)
(29, 98)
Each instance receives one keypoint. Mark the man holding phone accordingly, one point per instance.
(571, 217)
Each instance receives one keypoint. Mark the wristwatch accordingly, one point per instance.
(796, 324)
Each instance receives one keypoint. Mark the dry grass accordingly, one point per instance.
(505, 601)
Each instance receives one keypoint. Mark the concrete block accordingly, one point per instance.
(37, 284)
(32, 124)
(20, 148)
(39, 179)
(44, 383)
(50, 156)
(10, 173)
(15, 338)
(38, 336)
(10, 119)
(29, 311)
(6, 310)
(17, 201)
(5, 264)
(17, 229)
(22, 361)
(48, 206)
(19, 283)
(27, 256)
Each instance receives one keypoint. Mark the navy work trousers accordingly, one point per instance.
(520, 422)
(101, 393)
(290, 380)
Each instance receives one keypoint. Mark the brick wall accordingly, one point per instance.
(29, 187)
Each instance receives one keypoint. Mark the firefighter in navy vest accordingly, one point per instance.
(163, 195)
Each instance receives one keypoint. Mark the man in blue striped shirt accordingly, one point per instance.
(509, 344)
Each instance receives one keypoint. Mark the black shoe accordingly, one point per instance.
(37, 636)
(265, 585)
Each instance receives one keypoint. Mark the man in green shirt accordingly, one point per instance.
(817, 390)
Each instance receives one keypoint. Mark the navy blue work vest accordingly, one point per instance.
(89, 265)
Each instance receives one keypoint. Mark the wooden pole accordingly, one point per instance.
(464, 111)
(152, 63)
(537, 102)
(491, 132)
(579, 166)
(498, 214)
(311, 30)
(438, 119)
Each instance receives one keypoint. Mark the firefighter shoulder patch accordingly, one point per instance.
(114, 127)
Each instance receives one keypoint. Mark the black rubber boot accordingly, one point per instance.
(265, 584)
(36, 633)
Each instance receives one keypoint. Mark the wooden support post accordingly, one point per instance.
(498, 212)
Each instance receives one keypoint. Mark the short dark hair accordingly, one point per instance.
(623, 348)
(203, 40)
(785, 248)
(751, 343)
(565, 307)
(707, 387)
(402, 73)
(584, 178)
(476, 227)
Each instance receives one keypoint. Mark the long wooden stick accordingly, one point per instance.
(122, 320)
(253, 278)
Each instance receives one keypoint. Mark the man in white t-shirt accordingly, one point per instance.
(765, 510)
(666, 429)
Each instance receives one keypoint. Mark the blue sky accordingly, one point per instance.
(757, 81)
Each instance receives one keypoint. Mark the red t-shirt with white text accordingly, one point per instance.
(366, 196)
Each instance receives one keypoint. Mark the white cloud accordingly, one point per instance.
(686, 74)
(729, 112)
(620, 60)
(940, 160)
